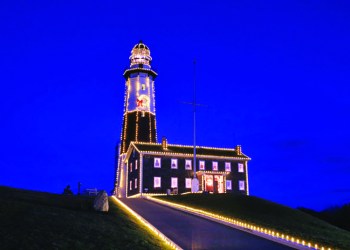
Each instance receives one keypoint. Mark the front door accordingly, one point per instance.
(214, 183)
(209, 185)
(219, 184)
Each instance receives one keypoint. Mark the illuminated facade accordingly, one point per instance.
(147, 167)
(139, 119)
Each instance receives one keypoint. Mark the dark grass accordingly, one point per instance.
(36, 220)
(337, 215)
(270, 215)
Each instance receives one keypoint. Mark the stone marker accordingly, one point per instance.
(101, 202)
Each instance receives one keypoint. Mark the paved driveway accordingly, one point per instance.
(192, 232)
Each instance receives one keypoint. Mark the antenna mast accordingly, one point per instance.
(195, 182)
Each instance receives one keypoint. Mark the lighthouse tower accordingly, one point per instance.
(139, 118)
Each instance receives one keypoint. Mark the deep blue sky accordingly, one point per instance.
(274, 75)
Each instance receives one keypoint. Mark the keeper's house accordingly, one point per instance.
(153, 168)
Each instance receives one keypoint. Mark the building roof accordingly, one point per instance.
(184, 150)
(141, 45)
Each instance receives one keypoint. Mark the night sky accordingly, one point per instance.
(274, 77)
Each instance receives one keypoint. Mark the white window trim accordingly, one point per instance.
(175, 160)
(154, 182)
(190, 163)
(228, 166)
(172, 182)
(228, 186)
(240, 168)
(200, 163)
(188, 180)
(217, 166)
(241, 185)
(160, 162)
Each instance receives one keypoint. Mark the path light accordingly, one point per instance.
(243, 225)
(147, 224)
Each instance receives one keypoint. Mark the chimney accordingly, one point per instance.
(238, 149)
(164, 143)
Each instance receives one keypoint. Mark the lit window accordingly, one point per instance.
(201, 165)
(228, 185)
(136, 165)
(173, 182)
(174, 163)
(228, 166)
(240, 167)
(130, 185)
(215, 166)
(156, 182)
(157, 163)
(241, 185)
(143, 86)
(135, 183)
(130, 166)
(188, 165)
(188, 182)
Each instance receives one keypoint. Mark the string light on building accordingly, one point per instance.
(139, 146)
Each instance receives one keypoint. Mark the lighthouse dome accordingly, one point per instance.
(140, 45)
(140, 54)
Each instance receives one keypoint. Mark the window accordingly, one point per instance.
(174, 163)
(215, 166)
(143, 86)
(157, 162)
(156, 182)
(136, 165)
(130, 166)
(135, 183)
(228, 166)
(201, 165)
(173, 182)
(228, 185)
(188, 182)
(240, 167)
(130, 185)
(188, 165)
(241, 185)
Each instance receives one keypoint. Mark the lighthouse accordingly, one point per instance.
(139, 114)
(139, 118)
(146, 167)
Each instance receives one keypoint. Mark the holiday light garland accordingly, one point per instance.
(158, 233)
(247, 227)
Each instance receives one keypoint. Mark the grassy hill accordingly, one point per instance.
(270, 215)
(36, 220)
(338, 215)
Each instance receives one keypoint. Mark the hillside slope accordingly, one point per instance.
(263, 213)
(36, 220)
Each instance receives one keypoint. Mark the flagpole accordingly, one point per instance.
(194, 119)
(195, 182)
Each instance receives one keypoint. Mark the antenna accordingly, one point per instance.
(195, 182)
(194, 119)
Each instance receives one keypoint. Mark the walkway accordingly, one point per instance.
(192, 232)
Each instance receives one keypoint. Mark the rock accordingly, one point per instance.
(101, 202)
